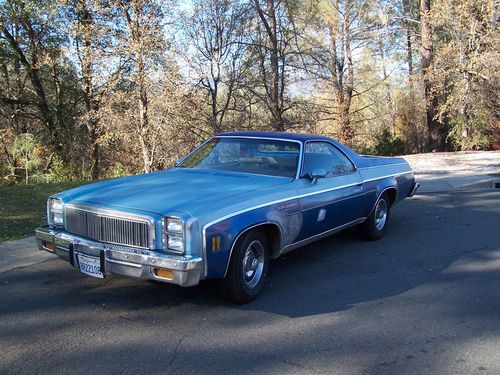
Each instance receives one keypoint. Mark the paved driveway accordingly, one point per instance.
(425, 299)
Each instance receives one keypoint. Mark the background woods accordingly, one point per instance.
(101, 88)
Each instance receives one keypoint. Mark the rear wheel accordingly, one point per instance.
(375, 224)
(247, 269)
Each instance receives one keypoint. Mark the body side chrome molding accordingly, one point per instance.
(319, 236)
(389, 175)
(383, 165)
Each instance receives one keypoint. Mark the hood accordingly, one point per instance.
(176, 189)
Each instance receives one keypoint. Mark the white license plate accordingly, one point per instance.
(90, 266)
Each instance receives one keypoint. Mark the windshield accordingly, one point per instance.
(257, 156)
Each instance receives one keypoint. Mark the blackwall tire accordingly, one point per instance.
(247, 269)
(374, 227)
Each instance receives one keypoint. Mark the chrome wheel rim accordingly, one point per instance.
(380, 214)
(253, 264)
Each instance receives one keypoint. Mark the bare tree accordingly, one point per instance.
(85, 44)
(409, 24)
(143, 20)
(342, 25)
(100, 65)
(436, 139)
(273, 43)
(217, 30)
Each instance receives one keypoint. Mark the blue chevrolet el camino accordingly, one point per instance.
(225, 210)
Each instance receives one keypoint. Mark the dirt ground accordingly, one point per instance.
(481, 162)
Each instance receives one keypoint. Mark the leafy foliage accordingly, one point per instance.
(388, 144)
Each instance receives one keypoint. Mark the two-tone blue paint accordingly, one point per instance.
(226, 204)
(342, 205)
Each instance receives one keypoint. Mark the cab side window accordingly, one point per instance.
(323, 155)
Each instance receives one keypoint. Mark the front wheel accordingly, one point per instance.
(374, 226)
(247, 269)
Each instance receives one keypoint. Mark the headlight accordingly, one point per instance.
(173, 234)
(55, 212)
(175, 243)
(174, 225)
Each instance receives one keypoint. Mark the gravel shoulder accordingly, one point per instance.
(479, 162)
(455, 170)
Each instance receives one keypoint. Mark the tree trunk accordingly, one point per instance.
(26, 168)
(436, 139)
(146, 159)
(346, 131)
(136, 30)
(409, 57)
(406, 24)
(464, 111)
(388, 96)
(91, 107)
(95, 158)
(274, 86)
(215, 113)
(143, 112)
(274, 75)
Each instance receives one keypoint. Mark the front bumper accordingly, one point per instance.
(122, 260)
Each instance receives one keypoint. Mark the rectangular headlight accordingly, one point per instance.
(174, 225)
(175, 243)
(173, 234)
(55, 212)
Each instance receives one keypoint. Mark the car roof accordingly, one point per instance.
(278, 135)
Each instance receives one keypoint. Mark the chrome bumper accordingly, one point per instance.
(414, 189)
(121, 260)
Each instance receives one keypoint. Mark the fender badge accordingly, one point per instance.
(286, 206)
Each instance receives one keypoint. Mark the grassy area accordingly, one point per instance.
(23, 207)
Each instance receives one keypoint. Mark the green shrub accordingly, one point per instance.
(118, 171)
(388, 144)
(477, 134)
(22, 149)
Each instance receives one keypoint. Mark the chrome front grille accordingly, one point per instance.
(109, 227)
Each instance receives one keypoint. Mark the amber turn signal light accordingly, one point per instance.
(166, 274)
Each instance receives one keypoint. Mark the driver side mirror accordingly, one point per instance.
(318, 173)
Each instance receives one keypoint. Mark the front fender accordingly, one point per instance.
(220, 236)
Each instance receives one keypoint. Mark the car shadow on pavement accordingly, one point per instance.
(427, 236)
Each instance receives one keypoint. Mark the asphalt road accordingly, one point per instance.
(423, 300)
